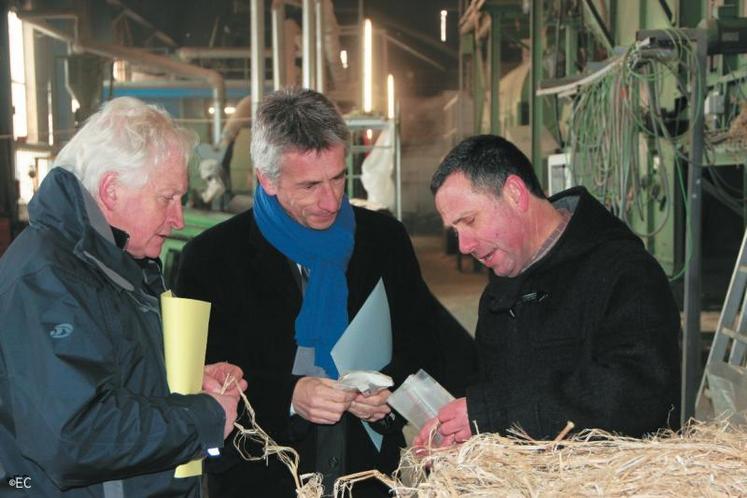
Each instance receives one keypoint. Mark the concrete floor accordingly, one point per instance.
(458, 291)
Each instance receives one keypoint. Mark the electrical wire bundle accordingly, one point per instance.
(620, 117)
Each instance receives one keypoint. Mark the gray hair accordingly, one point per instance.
(127, 137)
(294, 120)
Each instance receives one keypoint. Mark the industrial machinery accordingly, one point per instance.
(644, 104)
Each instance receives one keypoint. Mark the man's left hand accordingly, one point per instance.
(453, 426)
(216, 374)
(372, 407)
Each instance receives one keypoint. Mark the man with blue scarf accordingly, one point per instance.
(285, 279)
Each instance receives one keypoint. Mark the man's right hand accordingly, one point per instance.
(229, 403)
(320, 400)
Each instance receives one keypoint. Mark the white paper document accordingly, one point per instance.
(367, 342)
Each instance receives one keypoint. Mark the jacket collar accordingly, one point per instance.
(64, 205)
(591, 225)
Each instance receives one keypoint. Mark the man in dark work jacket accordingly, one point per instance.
(577, 323)
(269, 319)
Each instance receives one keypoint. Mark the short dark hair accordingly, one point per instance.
(487, 160)
(294, 120)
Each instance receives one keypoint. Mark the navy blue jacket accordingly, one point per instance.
(85, 409)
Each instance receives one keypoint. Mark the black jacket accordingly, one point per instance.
(589, 333)
(85, 409)
(256, 298)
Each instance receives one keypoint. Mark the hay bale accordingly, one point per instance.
(702, 460)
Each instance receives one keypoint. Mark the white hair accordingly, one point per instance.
(127, 137)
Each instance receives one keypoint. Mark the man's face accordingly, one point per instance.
(488, 227)
(310, 185)
(149, 213)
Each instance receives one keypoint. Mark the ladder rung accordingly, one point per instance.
(742, 268)
(733, 335)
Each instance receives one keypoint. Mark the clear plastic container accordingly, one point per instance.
(419, 398)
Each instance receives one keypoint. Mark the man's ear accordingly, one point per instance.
(267, 184)
(108, 191)
(516, 192)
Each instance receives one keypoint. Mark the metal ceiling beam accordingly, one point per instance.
(419, 36)
(416, 53)
(138, 18)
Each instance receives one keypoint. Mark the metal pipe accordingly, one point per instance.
(691, 342)
(278, 44)
(44, 28)
(191, 53)
(535, 102)
(173, 66)
(309, 63)
(258, 58)
(167, 64)
(319, 57)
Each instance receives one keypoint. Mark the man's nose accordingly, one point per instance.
(329, 199)
(177, 215)
(466, 243)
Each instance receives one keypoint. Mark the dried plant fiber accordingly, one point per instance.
(705, 459)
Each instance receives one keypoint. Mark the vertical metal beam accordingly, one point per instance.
(308, 46)
(63, 121)
(278, 44)
(8, 197)
(691, 348)
(478, 88)
(496, 19)
(571, 48)
(319, 25)
(394, 123)
(459, 106)
(383, 61)
(258, 53)
(535, 102)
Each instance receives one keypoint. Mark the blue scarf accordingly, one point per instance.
(324, 312)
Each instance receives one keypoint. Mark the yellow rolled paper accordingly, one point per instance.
(185, 327)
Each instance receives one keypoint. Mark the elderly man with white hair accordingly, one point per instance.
(85, 409)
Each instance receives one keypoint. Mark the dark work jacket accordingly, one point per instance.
(85, 409)
(255, 300)
(588, 334)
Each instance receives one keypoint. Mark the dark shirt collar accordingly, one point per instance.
(120, 237)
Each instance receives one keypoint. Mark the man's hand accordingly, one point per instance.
(453, 426)
(215, 377)
(320, 400)
(371, 407)
(228, 402)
